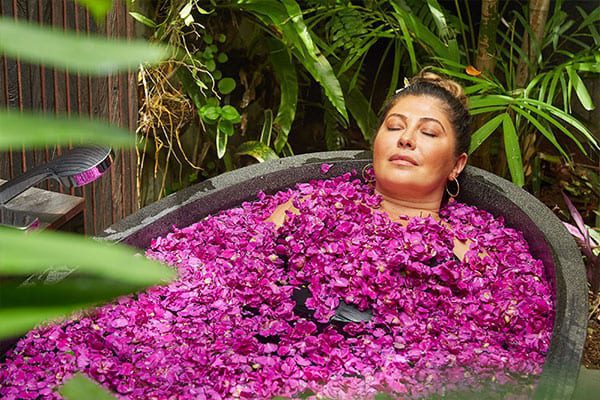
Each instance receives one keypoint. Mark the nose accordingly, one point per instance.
(407, 138)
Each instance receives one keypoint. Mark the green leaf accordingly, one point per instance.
(98, 8)
(211, 65)
(361, 110)
(143, 19)
(35, 130)
(267, 128)
(229, 113)
(186, 10)
(222, 58)
(557, 112)
(446, 33)
(226, 127)
(513, 151)
(285, 73)
(484, 132)
(256, 149)
(16, 321)
(34, 252)
(81, 387)
(210, 113)
(226, 85)
(94, 55)
(60, 287)
(582, 93)
(221, 141)
(288, 19)
(40, 298)
(541, 128)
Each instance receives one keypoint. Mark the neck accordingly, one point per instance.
(397, 207)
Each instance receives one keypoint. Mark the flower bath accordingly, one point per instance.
(228, 325)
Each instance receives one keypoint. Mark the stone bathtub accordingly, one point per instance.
(548, 239)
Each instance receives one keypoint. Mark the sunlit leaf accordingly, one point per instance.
(221, 142)
(582, 93)
(257, 150)
(98, 8)
(143, 19)
(80, 387)
(94, 55)
(35, 130)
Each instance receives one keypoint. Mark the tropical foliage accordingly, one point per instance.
(335, 62)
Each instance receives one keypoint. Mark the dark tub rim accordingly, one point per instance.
(557, 249)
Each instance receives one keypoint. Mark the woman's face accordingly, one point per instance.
(413, 152)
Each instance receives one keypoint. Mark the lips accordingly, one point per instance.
(400, 159)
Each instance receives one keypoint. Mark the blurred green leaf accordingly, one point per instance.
(513, 151)
(80, 387)
(35, 130)
(16, 321)
(98, 8)
(256, 149)
(93, 55)
(34, 252)
(25, 305)
(226, 85)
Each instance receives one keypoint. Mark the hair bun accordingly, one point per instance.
(452, 87)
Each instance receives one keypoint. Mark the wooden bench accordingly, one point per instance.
(54, 210)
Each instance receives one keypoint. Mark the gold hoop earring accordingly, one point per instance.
(368, 176)
(453, 195)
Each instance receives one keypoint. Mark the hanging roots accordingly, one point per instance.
(164, 112)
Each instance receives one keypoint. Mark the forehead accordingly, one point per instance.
(421, 107)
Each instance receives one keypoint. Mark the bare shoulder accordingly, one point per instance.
(279, 214)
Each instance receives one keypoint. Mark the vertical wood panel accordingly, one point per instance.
(33, 87)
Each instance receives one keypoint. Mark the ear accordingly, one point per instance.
(459, 165)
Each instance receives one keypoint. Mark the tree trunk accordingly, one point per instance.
(538, 15)
(485, 62)
(486, 42)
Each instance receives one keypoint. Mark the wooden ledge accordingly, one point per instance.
(51, 208)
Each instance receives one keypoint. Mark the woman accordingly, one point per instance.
(419, 149)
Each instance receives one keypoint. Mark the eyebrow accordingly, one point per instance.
(428, 119)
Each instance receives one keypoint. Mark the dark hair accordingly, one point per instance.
(449, 92)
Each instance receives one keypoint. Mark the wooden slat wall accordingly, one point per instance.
(32, 87)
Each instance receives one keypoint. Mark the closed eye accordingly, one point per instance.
(430, 134)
